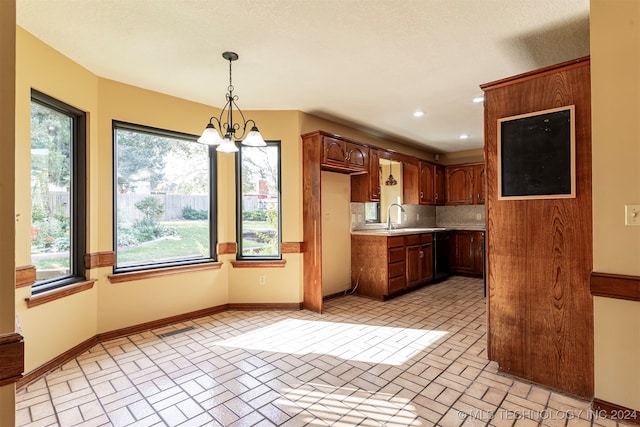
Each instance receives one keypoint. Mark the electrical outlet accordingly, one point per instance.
(262, 280)
(478, 217)
(632, 215)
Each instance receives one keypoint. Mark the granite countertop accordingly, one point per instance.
(415, 230)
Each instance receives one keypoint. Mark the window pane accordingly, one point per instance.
(162, 199)
(260, 204)
(51, 142)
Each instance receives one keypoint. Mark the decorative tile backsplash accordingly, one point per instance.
(426, 216)
(449, 216)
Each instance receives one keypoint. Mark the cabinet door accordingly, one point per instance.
(410, 186)
(479, 183)
(427, 183)
(463, 252)
(357, 157)
(426, 262)
(366, 187)
(414, 262)
(439, 185)
(478, 253)
(374, 175)
(333, 151)
(459, 185)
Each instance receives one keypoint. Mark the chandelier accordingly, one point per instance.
(227, 132)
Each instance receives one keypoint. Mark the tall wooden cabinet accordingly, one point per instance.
(540, 252)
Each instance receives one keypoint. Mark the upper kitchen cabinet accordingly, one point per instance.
(411, 183)
(465, 184)
(340, 155)
(479, 179)
(440, 185)
(427, 183)
(366, 187)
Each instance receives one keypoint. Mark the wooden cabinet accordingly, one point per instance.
(410, 183)
(467, 252)
(465, 184)
(340, 155)
(439, 186)
(427, 183)
(459, 185)
(479, 179)
(366, 187)
(419, 258)
(384, 266)
(423, 183)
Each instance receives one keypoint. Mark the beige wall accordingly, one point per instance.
(53, 328)
(615, 92)
(7, 190)
(335, 193)
(459, 157)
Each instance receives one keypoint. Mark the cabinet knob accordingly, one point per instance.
(421, 194)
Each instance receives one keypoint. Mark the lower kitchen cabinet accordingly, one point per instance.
(384, 266)
(467, 252)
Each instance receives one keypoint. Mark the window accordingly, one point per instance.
(258, 219)
(164, 202)
(57, 192)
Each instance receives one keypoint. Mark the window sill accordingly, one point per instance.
(147, 274)
(55, 294)
(259, 264)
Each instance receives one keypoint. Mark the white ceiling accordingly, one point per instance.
(368, 63)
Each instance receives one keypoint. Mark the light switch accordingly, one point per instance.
(632, 215)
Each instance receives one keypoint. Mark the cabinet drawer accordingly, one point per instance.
(396, 254)
(426, 238)
(396, 284)
(396, 269)
(395, 241)
(412, 239)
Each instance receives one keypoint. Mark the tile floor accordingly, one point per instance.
(417, 360)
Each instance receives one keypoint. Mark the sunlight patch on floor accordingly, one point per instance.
(357, 342)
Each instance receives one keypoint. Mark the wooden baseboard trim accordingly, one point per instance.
(616, 286)
(154, 324)
(57, 361)
(25, 276)
(288, 306)
(335, 295)
(123, 332)
(11, 358)
(99, 259)
(615, 412)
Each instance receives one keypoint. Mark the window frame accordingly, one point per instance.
(239, 255)
(77, 193)
(213, 217)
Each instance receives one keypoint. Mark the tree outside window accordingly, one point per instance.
(57, 192)
(163, 198)
(259, 221)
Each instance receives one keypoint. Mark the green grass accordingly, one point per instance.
(192, 240)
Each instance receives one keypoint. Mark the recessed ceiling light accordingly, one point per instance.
(418, 113)
(478, 99)
(464, 136)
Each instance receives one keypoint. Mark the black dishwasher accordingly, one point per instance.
(441, 255)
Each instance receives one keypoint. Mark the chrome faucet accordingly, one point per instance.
(389, 212)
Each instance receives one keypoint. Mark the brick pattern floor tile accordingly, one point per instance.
(416, 360)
